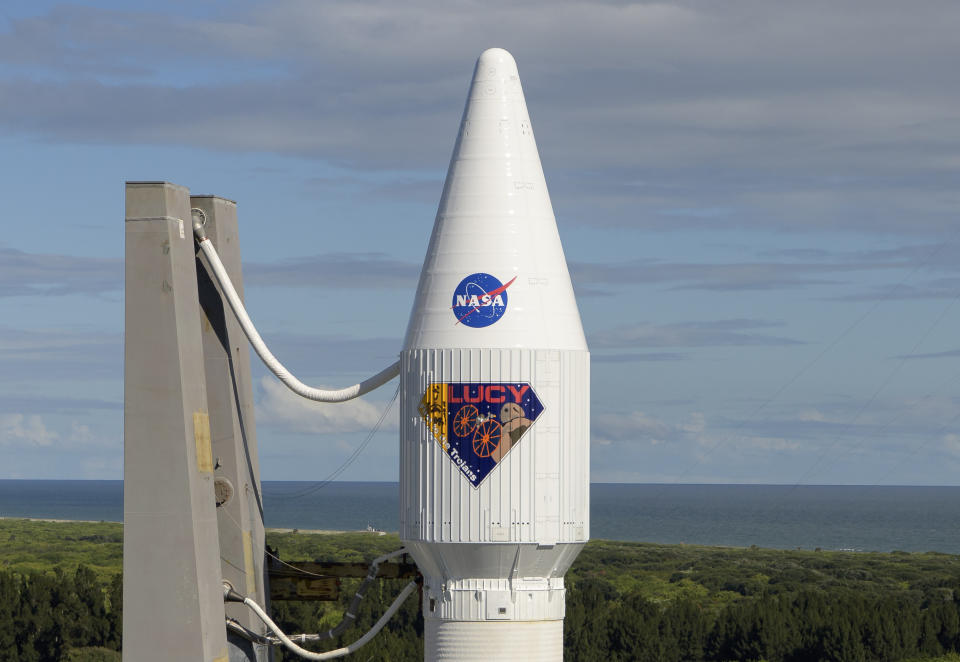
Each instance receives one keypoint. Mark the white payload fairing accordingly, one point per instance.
(495, 384)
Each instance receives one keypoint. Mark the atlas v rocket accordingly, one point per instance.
(495, 392)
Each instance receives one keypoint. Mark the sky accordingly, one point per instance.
(758, 203)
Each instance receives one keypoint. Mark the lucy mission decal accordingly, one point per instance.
(478, 424)
(480, 300)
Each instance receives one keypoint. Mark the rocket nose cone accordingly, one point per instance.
(496, 77)
(497, 57)
(495, 231)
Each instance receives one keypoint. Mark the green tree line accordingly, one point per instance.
(625, 602)
(57, 616)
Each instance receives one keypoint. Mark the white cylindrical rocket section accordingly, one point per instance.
(495, 383)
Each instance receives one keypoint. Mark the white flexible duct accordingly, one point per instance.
(339, 652)
(260, 347)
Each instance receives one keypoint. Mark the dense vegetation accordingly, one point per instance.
(60, 594)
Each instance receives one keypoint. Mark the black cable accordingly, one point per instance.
(350, 460)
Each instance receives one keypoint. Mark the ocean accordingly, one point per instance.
(831, 517)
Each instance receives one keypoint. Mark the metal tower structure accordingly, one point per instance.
(193, 514)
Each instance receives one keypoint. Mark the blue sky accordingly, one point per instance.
(758, 202)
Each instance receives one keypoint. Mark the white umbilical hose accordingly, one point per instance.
(339, 652)
(260, 347)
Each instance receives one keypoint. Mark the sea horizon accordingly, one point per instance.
(593, 482)
(913, 518)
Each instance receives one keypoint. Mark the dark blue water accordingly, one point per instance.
(864, 518)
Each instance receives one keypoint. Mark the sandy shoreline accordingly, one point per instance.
(60, 521)
(271, 530)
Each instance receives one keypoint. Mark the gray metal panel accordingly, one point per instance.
(173, 604)
(233, 433)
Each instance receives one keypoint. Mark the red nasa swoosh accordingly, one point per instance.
(491, 294)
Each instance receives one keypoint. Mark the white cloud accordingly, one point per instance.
(695, 425)
(20, 430)
(811, 415)
(334, 271)
(716, 333)
(770, 443)
(60, 353)
(814, 115)
(81, 434)
(639, 427)
(44, 274)
(282, 408)
(952, 443)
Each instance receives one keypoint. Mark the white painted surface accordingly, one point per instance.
(539, 491)
(531, 641)
(495, 217)
(494, 550)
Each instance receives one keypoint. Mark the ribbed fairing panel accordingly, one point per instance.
(494, 484)
(538, 493)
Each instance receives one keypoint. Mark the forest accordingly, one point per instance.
(61, 599)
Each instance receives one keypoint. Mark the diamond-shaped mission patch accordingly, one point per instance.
(478, 424)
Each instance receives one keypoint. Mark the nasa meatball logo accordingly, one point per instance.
(476, 424)
(480, 300)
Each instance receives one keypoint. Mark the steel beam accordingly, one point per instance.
(233, 433)
(172, 596)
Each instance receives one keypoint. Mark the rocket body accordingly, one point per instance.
(495, 392)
